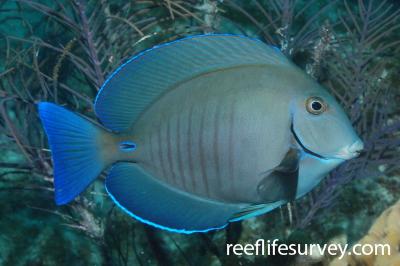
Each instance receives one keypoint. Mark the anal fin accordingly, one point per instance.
(153, 202)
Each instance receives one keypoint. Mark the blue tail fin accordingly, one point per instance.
(76, 150)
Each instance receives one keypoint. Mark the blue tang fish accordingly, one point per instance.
(201, 132)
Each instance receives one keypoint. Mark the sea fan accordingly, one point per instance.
(358, 72)
(62, 52)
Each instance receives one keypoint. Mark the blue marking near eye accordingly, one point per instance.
(127, 146)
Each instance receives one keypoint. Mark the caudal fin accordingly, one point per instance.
(75, 145)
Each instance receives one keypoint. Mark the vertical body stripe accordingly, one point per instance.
(170, 159)
(160, 150)
(231, 145)
(151, 147)
(216, 143)
(179, 151)
(201, 143)
(189, 149)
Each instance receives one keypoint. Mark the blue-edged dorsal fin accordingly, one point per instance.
(143, 78)
(153, 202)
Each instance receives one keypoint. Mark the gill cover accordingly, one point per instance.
(329, 133)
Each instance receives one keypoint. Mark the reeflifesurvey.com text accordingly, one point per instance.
(262, 247)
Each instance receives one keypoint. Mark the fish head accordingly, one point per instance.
(321, 127)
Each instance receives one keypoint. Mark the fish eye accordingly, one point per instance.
(315, 105)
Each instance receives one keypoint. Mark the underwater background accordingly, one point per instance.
(62, 51)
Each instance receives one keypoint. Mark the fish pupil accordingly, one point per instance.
(317, 106)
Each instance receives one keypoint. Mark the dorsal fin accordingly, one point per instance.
(142, 79)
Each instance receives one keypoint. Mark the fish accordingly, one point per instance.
(200, 132)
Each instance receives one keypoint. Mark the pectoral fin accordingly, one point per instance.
(281, 182)
(247, 211)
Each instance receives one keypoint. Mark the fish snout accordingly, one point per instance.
(351, 151)
(357, 147)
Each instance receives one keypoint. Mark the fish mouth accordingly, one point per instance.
(303, 147)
